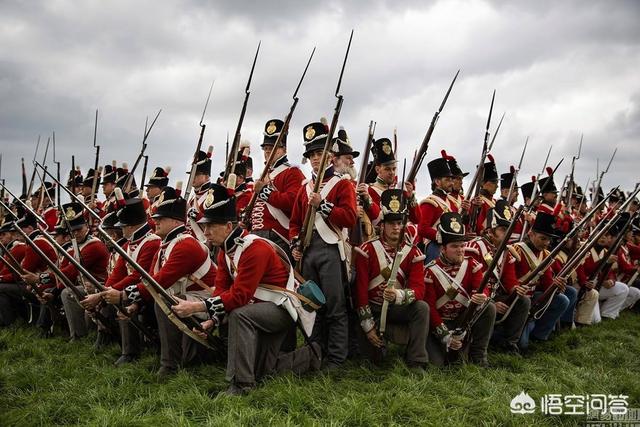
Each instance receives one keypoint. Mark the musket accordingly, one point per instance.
(24, 177)
(310, 216)
(571, 177)
(194, 162)
(33, 175)
(422, 151)
(395, 139)
(392, 282)
(358, 232)
(43, 188)
(229, 177)
(226, 147)
(160, 295)
(144, 173)
(11, 263)
(495, 134)
(128, 184)
(599, 182)
(535, 192)
(73, 174)
(517, 171)
(604, 267)
(57, 163)
(272, 156)
(477, 178)
(96, 173)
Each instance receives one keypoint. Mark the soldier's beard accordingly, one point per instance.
(351, 171)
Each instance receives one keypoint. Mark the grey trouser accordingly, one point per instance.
(322, 264)
(415, 317)
(477, 343)
(508, 331)
(75, 314)
(14, 300)
(176, 347)
(130, 337)
(256, 332)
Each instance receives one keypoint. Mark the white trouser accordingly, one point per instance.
(611, 302)
(632, 297)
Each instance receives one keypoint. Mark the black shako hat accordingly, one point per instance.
(109, 174)
(219, 205)
(315, 136)
(88, 180)
(382, 150)
(75, 178)
(393, 204)
(26, 220)
(439, 168)
(618, 226)
(341, 144)
(527, 188)
(272, 130)
(453, 165)
(545, 223)
(159, 177)
(171, 204)
(450, 229)
(131, 213)
(74, 215)
(489, 172)
(507, 178)
(546, 184)
(203, 162)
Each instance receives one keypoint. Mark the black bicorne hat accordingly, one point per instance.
(450, 229)
(171, 205)
(341, 144)
(453, 165)
(272, 130)
(490, 173)
(159, 177)
(74, 215)
(382, 150)
(219, 205)
(315, 136)
(500, 215)
(439, 168)
(545, 223)
(393, 204)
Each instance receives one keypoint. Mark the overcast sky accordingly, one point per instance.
(560, 69)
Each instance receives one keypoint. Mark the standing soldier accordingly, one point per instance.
(276, 194)
(509, 189)
(89, 193)
(44, 197)
(434, 205)
(452, 281)
(183, 267)
(201, 185)
(488, 188)
(17, 249)
(75, 181)
(456, 198)
(374, 262)
(324, 259)
(550, 195)
(108, 182)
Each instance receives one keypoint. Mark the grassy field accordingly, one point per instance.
(53, 382)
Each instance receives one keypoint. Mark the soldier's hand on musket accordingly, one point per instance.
(131, 311)
(612, 259)
(520, 290)
(501, 308)
(113, 296)
(590, 284)
(260, 184)
(374, 339)
(314, 199)
(465, 206)
(186, 308)
(360, 211)
(30, 278)
(90, 301)
(478, 298)
(89, 288)
(561, 283)
(206, 325)
(45, 298)
(477, 201)
(408, 189)
(389, 294)
(608, 284)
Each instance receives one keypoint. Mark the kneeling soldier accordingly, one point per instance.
(374, 264)
(254, 295)
(451, 282)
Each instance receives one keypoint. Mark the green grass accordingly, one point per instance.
(53, 382)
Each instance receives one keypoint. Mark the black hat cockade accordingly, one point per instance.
(451, 229)
(341, 144)
(500, 215)
(489, 172)
(315, 136)
(170, 204)
(219, 205)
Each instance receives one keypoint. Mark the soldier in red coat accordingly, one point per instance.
(548, 193)
(17, 249)
(511, 300)
(141, 245)
(157, 181)
(277, 192)
(485, 200)
(254, 295)
(15, 297)
(200, 193)
(324, 258)
(451, 284)
(509, 192)
(435, 205)
(43, 199)
(457, 199)
(183, 267)
(374, 262)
